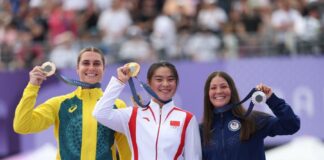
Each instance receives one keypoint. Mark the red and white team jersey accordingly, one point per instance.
(154, 133)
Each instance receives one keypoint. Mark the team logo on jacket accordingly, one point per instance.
(234, 125)
(73, 108)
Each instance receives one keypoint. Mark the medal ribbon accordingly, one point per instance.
(49, 68)
(76, 82)
(230, 106)
(147, 89)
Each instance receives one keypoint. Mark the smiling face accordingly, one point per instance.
(90, 67)
(163, 83)
(219, 92)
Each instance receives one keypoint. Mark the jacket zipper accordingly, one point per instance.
(157, 138)
(223, 135)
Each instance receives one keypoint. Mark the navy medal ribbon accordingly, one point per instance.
(49, 68)
(258, 97)
(76, 82)
(134, 70)
(147, 89)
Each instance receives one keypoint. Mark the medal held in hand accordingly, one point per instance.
(134, 69)
(257, 97)
(49, 68)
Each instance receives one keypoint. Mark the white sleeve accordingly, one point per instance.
(104, 112)
(192, 148)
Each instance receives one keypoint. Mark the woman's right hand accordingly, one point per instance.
(265, 89)
(123, 73)
(37, 76)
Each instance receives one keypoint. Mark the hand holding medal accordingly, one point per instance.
(258, 96)
(133, 70)
(49, 68)
(39, 73)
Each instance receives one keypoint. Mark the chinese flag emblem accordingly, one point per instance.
(175, 123)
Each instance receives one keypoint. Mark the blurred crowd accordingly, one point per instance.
(33, 31)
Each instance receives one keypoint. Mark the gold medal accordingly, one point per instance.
(49, 68)
(134, 68)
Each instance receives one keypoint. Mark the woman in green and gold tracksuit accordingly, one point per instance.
(78, 134)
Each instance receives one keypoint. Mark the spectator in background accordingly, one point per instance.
(36, 23)
(75, 5)
(203, 46)
(60, 21)
(171, 7)
(309, 41)
(184, 34)
(164, 37)
(229, 135)
(234, 32)
(6, 58)
(103, 4)
(78, 134)
(28, 54)
(87, 23)
(261, 28)
(288, 23)
(230, 43)
(144, 15)
(211, 16)
(136, 48)
(65, 51)
(251, 23)
(181, 11)
(112, 24)
(267, 32)
(8, 38)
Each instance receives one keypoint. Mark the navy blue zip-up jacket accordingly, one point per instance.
(225, 142)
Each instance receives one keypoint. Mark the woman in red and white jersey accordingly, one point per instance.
(161, 131)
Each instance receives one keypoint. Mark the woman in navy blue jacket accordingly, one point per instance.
(230, 135)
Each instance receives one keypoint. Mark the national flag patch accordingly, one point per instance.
(175, 123)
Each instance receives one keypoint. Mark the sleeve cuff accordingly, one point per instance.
(32, 87)
(115, 79)
(273, 100)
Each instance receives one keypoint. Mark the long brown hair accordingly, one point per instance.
(248, 125)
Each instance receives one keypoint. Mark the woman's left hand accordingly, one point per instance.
(265, 89)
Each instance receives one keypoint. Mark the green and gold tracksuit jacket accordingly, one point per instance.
(78, 134)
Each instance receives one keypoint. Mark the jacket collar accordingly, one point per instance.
(95, 93)
(165, 109)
